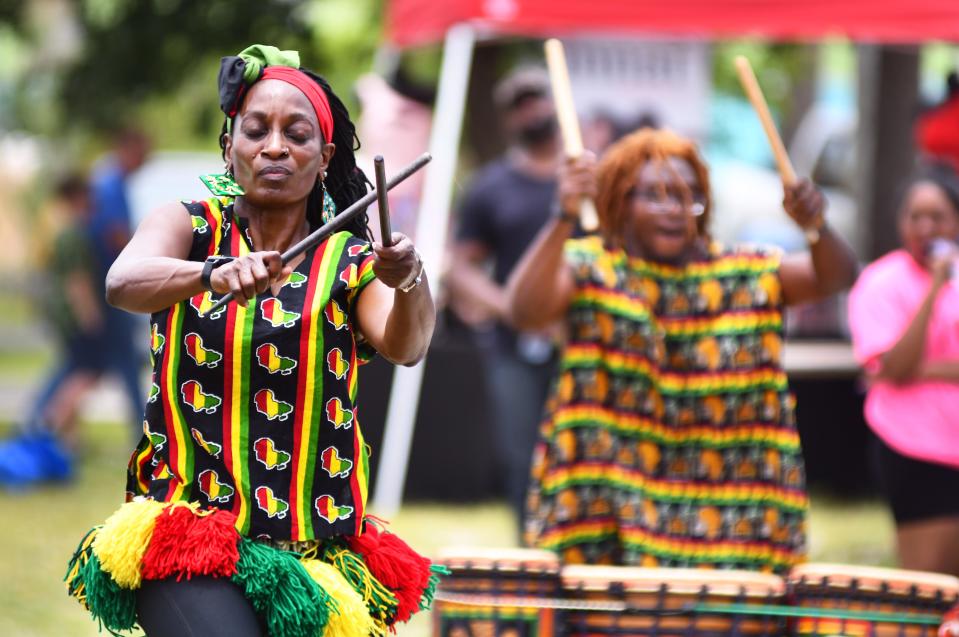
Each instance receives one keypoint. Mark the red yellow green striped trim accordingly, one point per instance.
(364, 276)
(214, 216)
(758, 553)
(359, 478)
(624, 305)
(731, 264)
(309, 418)
(745, 322)
(592, 356)
(305, 390)
(236, 398)
(702, 493)
(140, 461)
(735, 264)
(612, 301)
(589, 531)
(688, 550)
(630, 424)
(180, 451)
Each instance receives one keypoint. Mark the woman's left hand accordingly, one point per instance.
(805, 204)
(398, 264)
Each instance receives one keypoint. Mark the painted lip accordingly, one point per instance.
(273, 170)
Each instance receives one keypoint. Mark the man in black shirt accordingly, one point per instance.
(505, 206)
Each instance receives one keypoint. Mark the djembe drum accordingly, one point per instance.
(665, 602)
(496, 593)
(838, 599)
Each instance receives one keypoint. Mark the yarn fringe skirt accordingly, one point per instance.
(339, 587)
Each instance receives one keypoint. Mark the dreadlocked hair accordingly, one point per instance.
(345, 182)
(616, 176)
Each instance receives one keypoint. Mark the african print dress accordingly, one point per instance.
(251, 449)
(252, 409)
(669, 438)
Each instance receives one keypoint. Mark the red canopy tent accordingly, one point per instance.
(461, 22)
(416, 22)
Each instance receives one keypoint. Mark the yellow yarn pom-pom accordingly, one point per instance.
(123, 540)
(351, 617)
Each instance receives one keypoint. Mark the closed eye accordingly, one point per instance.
(254, 132)
(299, 137)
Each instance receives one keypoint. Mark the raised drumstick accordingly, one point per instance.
(382, 201)
(568, 120)
(748, 79)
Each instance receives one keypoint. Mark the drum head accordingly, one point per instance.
(874, 580)
(676, 580)
(500, 560)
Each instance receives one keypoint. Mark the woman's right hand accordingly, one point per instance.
(577, 180)
(249, 275)
(941, 263)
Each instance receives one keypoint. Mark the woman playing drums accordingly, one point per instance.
(670, 435)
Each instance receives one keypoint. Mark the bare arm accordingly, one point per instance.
(830, 265)
(541, 286)
(903, 362)
(399, 325)
(944, 370)
(152, 272)
(475, 296)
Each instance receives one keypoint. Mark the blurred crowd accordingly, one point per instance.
(87, 225)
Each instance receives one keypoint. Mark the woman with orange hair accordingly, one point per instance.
(673, 357)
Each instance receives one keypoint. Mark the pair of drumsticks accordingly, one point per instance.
(573, 141)
(341, 220)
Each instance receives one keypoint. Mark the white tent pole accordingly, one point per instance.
(431, 228)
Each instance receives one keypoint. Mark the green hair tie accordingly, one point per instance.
(259, 56)
(240, 72)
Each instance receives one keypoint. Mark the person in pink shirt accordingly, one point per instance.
(904, 319)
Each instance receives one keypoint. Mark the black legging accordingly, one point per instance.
(198, 607)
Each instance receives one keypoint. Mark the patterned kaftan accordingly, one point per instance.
(670, 439)
(253, 409)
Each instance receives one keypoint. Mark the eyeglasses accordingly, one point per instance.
(660, 201)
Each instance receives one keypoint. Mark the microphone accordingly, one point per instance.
(939, 248)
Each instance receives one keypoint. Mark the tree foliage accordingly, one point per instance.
(136, 53)
(138, 50)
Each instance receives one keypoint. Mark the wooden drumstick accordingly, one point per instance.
(338, 222)
(383, 201)
(568, 120)
(748, 79)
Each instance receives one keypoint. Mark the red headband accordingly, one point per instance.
(309, 88)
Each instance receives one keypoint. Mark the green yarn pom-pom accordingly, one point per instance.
(114, 607)
(281, 591)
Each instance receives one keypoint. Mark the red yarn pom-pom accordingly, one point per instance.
(396, 566)
(185, 544)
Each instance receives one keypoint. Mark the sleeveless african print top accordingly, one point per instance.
(253, 409)
(669, 438)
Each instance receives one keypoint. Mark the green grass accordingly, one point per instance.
(26, 363)
(41, 529)
(851, 532)
(18, 309)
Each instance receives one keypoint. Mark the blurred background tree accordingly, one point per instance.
(83, 67)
